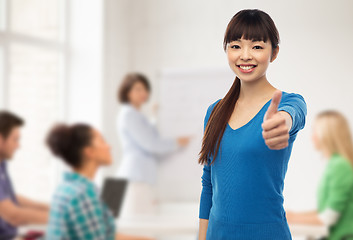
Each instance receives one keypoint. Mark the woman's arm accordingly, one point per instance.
(146, 136)
(203, 229)
(120, 236)
(276, 124)
(207, 191)
(310, 218)
(205, 201)
(283, 119)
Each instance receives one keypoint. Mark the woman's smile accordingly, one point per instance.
(246, 68)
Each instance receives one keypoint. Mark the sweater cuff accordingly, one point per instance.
(291, 111)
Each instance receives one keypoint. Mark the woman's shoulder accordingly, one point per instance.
(212, 105)
(71, 193)
(290, 96)
(340, 167)
(127, 112)
(209, 110)
(339, 161)
(127, 108)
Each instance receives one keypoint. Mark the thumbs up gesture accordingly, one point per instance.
(276, 124)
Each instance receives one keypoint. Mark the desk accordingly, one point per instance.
(308, 231)
(182, 219)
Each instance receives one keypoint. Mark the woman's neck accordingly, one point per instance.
(88, 170)
(136, 105)
(252, 91)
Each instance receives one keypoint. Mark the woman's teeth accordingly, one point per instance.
(246, 67)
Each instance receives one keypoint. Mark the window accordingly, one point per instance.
(32, 62)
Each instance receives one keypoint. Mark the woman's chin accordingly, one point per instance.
(106, 162)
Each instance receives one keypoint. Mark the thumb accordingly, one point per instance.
(273, 108)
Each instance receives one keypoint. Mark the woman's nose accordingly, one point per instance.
(245, 55)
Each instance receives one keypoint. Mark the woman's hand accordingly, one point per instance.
(203, 225)
(276, 124)
(183, 141)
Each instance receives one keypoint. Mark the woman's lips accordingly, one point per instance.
(246, 68)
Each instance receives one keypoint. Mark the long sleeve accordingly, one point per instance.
(340, 186)
(146, 136)
(207, 192)
(295, 105)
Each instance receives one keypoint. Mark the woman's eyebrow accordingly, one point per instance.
(253, 40)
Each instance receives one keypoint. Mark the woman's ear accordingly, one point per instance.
(274, 54)
(87, 152)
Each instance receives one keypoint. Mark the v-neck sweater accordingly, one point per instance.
(242, 191)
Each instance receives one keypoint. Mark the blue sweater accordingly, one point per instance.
(242, 191)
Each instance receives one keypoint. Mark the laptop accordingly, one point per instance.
(113, 194)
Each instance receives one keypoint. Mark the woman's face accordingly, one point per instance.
(249, 59)
(138, 94)
(315, 138)
(317, 142)
(99, 150)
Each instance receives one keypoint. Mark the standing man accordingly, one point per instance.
(15, 210)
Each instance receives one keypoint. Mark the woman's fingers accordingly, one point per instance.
(277, 141)
(278, 131)
(276, 121)
(273, 108)
(280, 146)
(275, 132)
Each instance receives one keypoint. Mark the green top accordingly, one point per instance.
(336, 192)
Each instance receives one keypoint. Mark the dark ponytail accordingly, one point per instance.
(217, 123)
(251, 24)
(67, 142)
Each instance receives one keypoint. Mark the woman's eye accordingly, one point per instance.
(257, 47)
(235, 46)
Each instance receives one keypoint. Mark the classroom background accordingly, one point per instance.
(62, 60)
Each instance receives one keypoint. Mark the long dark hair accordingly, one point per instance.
(251, 24)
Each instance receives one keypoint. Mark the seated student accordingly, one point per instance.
(77, 211)
(332, 137)
(15, 210)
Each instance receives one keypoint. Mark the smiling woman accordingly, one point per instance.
(248, 139)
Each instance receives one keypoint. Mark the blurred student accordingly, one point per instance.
(332, 137)
(77, 211)
(142, 145)
(15, 210)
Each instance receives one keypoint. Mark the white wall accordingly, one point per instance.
(314, 59)
(116, 64)
(85, 74)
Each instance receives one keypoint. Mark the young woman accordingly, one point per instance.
(142, 146)
(248, 140)
(77, 211)
(332, 137)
